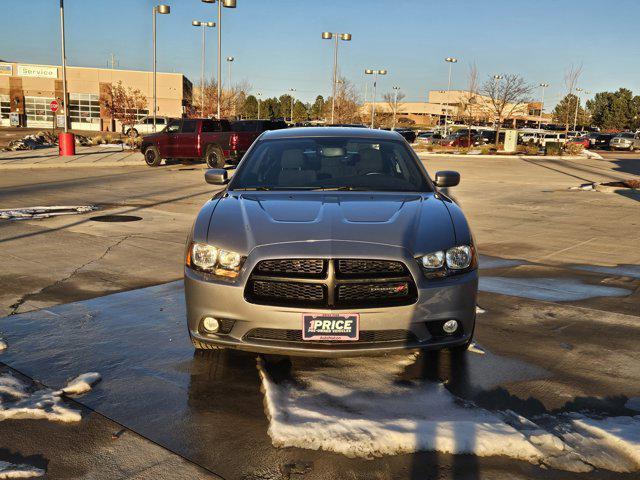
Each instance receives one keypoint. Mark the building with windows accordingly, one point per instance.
(28, 90)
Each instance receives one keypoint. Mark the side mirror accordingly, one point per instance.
(447, 178)
(216, 176)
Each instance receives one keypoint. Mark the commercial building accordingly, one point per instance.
(458, 104)
(28, 90)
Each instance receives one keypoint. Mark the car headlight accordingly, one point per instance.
(443, 263)
(210, 259)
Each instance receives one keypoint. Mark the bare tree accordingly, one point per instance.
(231, 100)
(394, 102)
(507, 94)
(468, 109)
(123, 104)
(347, 108)
(571, 76)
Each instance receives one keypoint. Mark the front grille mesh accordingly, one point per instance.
(376, 267)
(295, 336)
(302, 266)
(309, 292)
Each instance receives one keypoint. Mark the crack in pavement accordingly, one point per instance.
(21, 301)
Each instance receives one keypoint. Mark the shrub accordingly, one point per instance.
(573, 148)
(531, 149)
(553, 148)
(486, 150)
(97, 140)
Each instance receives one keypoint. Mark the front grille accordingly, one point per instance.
(295, 336)
(294, 266)
(370, 267)
(288, 291)
(331, 283)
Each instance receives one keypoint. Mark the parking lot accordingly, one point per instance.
(556, 340)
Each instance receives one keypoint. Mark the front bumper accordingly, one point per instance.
(438, 300)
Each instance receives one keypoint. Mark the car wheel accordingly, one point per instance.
(198, 345)
(213, 157)
(152, 157)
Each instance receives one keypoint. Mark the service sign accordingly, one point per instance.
(6, 69)
(37, 71)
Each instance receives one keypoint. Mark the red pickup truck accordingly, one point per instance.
(213, 141)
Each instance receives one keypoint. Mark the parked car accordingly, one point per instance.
(213, 141)
(534, 137)
(600, 140)
(257, 125)
(331, 242)
(553, 138)
(625, 141)
(584, 141)
(428, 138)
(460, 139)
(145, 126)
(408, 134)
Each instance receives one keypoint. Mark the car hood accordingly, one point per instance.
(241, 222)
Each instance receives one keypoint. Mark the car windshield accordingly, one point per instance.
(330, 163)
(626, 135)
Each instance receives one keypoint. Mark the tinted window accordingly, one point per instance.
(173, 127)
(189, 126)
(210, 126)
(330, 163)
(247, 126)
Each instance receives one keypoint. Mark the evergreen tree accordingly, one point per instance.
(317, 108)
(250, 107)
(565, 111)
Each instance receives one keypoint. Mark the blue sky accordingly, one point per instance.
(277, 43)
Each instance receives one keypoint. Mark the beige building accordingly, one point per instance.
(456, 104)
(28, 90)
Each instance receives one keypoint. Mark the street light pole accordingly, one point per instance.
(229, 60)
(395, 105)
(163, 10)
(64, 69)
(337, 36)
(226, 4)
(543, 86)
(292, 90)
(259, 102)
(203, 25)
(375, 74)
(450, 61)
(575, 115)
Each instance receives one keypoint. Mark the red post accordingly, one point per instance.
(66, 144)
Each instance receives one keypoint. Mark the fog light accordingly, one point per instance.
(210, 324)
(450, 326)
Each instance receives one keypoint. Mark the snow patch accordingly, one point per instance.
(10, 470)
(549, 289)
(590, 154)
(18, 402)
(475, 348)
(480, 309)
(350, 407)
(82, 383)
(3, 345)
(28, 213)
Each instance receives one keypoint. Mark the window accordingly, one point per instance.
(173, 127)
(334, 163)
(84, 108)
(5, 106)
(140, 114)
(37, 110)
(210, 126)
(189, 126)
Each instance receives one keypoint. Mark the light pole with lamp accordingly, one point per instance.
(163, 10)
(575, 115)
(229, 61)
(292, 90)
(227, 4)
(337, 36)
(259, 102)
(542, 86)
(497, 78)
(395, 105)
(375, 73)
(450, 61)
(204, 25)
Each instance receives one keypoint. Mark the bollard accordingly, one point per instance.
(66, 144)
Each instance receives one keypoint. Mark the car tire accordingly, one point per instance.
(213, 157)
(152, 156)
(198, 345)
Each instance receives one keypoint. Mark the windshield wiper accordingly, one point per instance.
(344, 187)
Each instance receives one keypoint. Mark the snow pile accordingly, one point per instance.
(28, 213)
(9, 470)
(361, 408)
(348, 407)
(43, 139)
(17, 401)
(3, 345)
(590, 154)
(82, 383)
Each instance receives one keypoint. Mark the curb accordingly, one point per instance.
(35, 166)
(511, 157)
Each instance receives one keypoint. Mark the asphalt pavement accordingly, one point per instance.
(560, 290)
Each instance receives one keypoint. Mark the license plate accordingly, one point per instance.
(331, 326)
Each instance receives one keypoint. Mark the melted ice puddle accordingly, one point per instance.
(351, 407)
